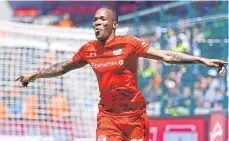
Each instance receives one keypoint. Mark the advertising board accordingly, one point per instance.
(178, 129)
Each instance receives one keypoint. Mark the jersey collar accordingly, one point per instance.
(109, 44)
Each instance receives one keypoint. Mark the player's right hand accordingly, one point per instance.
(26, 78)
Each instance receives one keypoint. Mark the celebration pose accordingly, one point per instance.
(122, 108)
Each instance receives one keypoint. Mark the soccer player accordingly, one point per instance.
(122, 108)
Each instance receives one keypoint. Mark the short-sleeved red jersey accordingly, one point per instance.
(115, 65)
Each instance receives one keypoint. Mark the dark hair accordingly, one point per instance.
(113, 11)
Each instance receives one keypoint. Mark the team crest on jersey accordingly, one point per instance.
(117, 51)
(102, 138)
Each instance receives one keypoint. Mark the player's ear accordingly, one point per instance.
(115, 24)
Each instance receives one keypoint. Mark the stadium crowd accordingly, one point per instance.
(174, 90)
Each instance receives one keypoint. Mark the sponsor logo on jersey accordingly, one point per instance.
(107, 64)
(117, 51)
(120, 62)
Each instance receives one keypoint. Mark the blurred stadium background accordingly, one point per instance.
(185, 102)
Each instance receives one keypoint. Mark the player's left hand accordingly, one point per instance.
(220, 64)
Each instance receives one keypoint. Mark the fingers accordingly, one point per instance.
(220, 65)
(221, 70)
(18, 78)
(221, 61)
(25, 84)
(224, 62)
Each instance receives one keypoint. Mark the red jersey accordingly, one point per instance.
(115, 65)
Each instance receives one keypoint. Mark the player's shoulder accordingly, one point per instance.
(90, 43)
(88, 46)
(131, 40)
(125, 37)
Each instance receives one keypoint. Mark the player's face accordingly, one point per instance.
(103, 24)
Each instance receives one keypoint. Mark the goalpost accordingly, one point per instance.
(52, 109)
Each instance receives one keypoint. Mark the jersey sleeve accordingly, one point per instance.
(79, 57)
(141, 47)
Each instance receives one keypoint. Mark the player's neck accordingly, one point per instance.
(112, 36)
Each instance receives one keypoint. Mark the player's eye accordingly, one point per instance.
(103, 18)
(95, 19)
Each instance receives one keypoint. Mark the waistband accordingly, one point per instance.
(135, 113)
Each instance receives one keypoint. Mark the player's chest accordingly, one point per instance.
(111, 59)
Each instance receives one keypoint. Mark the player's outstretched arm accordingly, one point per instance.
(174, 57)
(52, 71)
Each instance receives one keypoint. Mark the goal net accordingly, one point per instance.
(62, 108)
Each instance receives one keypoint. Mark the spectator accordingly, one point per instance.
(197, 84)
(198, 98)
(173, 101)
(182, 44)
(172, 40)
(219, 99)
(159, 98)
(66, 21)
(221, 81)
(212, 84)
(184, 37)
(155, 39)
(187, 101)
(145, 77)
(197, 35)
(206, 102)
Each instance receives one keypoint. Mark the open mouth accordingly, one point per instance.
(97, 30)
